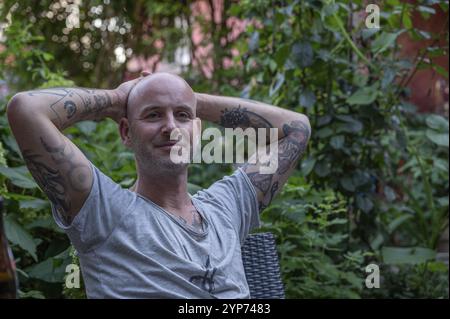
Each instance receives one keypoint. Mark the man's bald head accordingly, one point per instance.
(161, 89)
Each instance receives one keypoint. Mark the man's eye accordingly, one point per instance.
(152, 115)
(184, 115)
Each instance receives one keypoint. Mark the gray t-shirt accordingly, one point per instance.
(129, 247)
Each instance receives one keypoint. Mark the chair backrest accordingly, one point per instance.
(262, 267)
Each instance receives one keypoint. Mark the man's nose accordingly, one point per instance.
(169, 124)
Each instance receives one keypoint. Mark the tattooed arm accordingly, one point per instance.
(58, 166)
(294, 131)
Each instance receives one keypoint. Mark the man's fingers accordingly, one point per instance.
(145, 73)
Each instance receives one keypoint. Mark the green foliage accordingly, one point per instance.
(373, 187)
(425, 280)
(318, 259)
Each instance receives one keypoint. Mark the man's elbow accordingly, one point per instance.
(14, 104)
(16, 108)
(306, 123)
(299, 128)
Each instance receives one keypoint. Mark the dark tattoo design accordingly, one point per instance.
(261, 181)
(63, 154)
(93, 102)
(241, 117)
(51, 182)
(70, 107)
(196, 221)
(55, 182)
(290, 149)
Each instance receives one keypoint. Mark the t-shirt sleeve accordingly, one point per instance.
(236, 194)
(103, 209)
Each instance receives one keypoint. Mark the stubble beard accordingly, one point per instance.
(153, 163)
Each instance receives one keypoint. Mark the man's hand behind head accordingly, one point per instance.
(123, 92)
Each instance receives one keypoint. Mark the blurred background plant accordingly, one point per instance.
(373, 186)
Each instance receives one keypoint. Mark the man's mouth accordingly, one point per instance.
(166, 145)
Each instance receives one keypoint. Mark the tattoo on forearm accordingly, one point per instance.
(91, 103)
(290, 149)
(241, 117)
(70, 107)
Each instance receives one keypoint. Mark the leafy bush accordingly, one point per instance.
(373, 187)
(318, 258)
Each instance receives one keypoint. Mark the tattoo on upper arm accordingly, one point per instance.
(51, 182)
(58, 182)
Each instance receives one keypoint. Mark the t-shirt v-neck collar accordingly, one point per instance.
(185, 226)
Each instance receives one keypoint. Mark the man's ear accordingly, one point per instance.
(124, 130)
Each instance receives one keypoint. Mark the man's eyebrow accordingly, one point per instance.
(152, 107)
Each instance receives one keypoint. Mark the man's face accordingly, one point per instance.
(157, 105)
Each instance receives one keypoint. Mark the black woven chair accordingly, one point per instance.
(262, 268)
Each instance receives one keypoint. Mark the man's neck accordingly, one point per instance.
(168, 191)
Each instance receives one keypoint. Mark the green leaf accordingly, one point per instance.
(52, 269)
(47, 56)
(35, 204)
(442, 71)
(350, 125)
(367, 33)
(307, 98)
(407, 21)
(87, 127)
(253, 42)
(337, 142)
(414, 255)
(437, 138)
(34, 294)
(347, 183)
(281, 55)
(302, 54)
(425, 9)
(388, 77)
(389, 193)
(377, 241)
(393, 225)
(441, 164)
(384, 41)
(437, 122)
(363, 96)
(322, 169)
(276, 85)
(19, 236)
(364, 203)
(324, 132)
(423, 34)
(19, 176)
(45, 222)
(308, 165)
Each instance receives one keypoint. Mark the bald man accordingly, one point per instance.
(154, 240)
